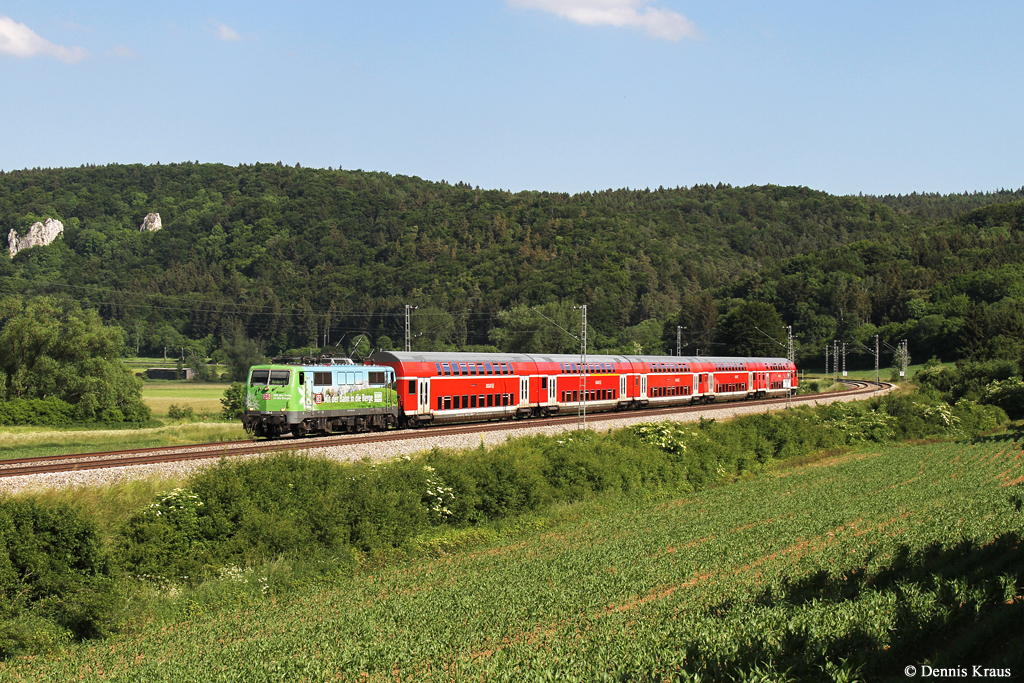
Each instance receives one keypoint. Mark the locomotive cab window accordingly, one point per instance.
(279, 378)
(259, 377)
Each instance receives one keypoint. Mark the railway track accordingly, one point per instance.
(148, 456)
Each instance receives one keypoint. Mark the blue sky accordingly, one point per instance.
(560, 95)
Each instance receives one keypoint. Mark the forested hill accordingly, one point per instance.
(955, 290)
(298, 257)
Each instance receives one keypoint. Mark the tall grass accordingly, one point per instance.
(26, 442)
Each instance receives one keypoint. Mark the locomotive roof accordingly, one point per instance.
(437, 357)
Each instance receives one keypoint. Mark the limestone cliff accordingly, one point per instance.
(38, 235)
(151, 223)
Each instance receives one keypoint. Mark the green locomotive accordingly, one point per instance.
(319, 397)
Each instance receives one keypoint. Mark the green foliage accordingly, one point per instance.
(176, 412)
(233, 401)
(1007, 394)
(752, 328)
(284, 252)
(50, 349)
(55, 581)
(240, 353)
(36, 411)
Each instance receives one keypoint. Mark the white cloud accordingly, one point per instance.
(658, 23)
(226, 33)
(21, 41)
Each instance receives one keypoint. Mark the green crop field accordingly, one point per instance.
(851, 567)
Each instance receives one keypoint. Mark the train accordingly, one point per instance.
(393, 389)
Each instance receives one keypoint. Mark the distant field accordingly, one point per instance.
(848, 568)
(201, 396)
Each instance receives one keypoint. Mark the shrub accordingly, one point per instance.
(176, 412)
(54, 577)
(233, 401)
(36, 411)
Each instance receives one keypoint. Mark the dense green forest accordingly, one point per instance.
(289, 257)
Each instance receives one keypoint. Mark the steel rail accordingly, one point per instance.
(148, 456)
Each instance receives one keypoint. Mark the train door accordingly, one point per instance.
(750, 381)
(643, 386)
(524, 390)
(552, 394)
(424, 402)
(622, 387)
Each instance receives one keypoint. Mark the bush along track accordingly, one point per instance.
(768, 555)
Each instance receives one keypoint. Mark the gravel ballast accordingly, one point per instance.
(390, 449)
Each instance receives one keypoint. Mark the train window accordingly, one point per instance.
(482, 400)
(465, 401)
(472, 401)
(377, 378)
(440, 402)
(438, 366)
(302, 378)
(456, 403)
(447, 402)
(490, 371)
(279, 378)
(447, 370)
(412, 386)
(472, 368)
(455, 369)
(490, 400)
(543, 382)
(259, 377)
(322, 379)
(465, 371)
(575, 396)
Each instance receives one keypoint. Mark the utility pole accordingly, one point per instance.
(876, 360)
(790, 357)
(835, 360)
(581, 410)
(844, 359)
(679, 340)
(826, 360)
(408, 329)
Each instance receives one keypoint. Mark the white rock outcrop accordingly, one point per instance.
(151, 223)
(39, 234)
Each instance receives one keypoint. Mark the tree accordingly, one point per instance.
(240, 353)
(550, 328)
(753, 328)
(54, 349)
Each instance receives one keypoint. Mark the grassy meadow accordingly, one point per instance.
(203, 398)
(850, 566)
